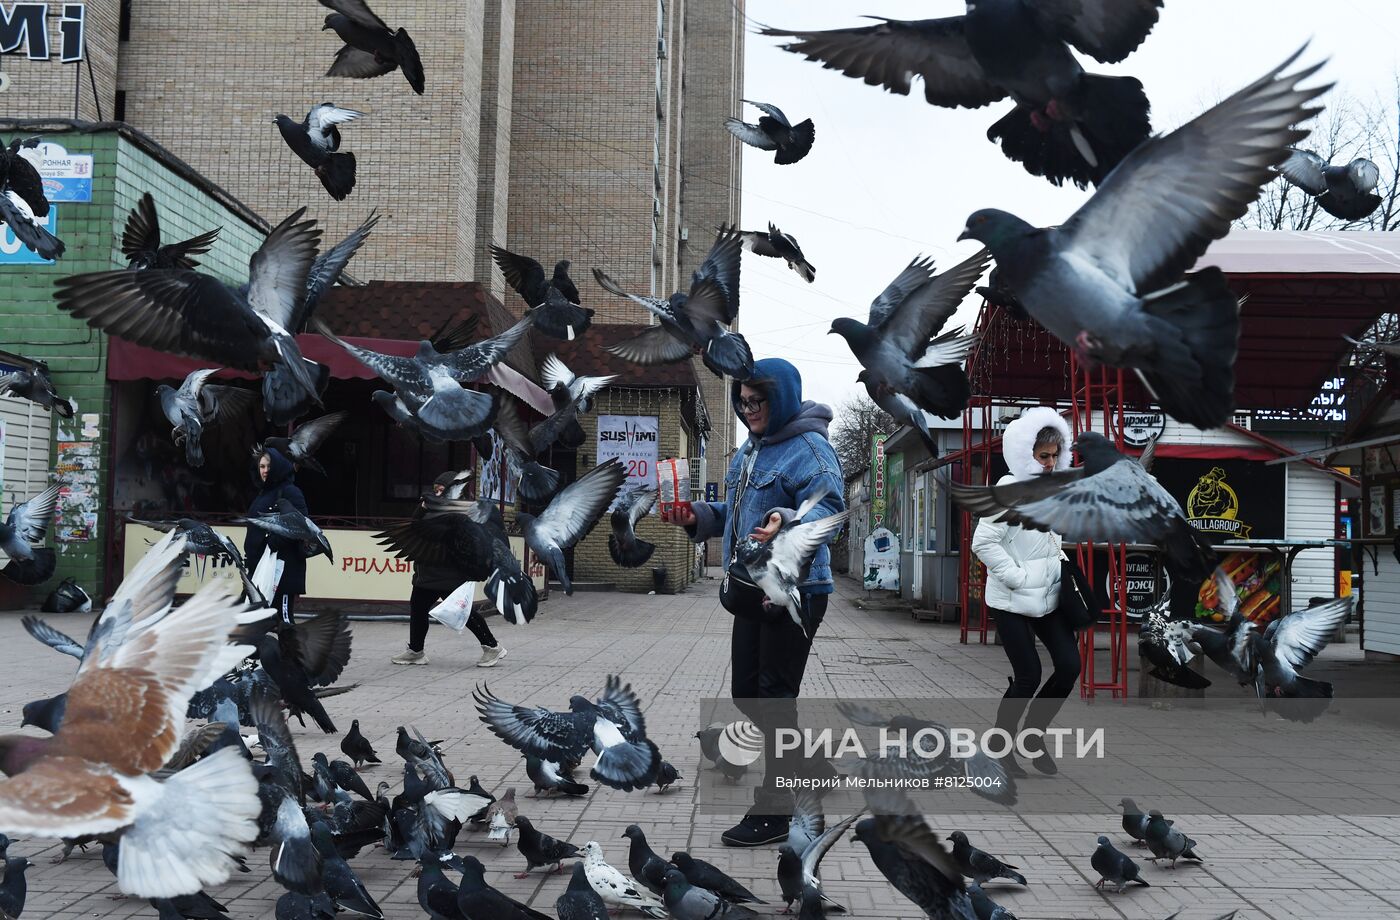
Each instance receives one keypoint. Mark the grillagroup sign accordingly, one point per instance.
(1227, 499)
(26, 26)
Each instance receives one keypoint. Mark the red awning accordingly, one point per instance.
(1214, 452)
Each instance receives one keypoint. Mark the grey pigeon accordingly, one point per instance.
(1168, 645)
(550, 776)
(806, 823)
(142, 246)
(799, 877)
(779, 565)
(571, 514)
(316, 140)
(1232, 646)
(1111, 498)
(327, 269)
(612, 727)
(984, 907)
(341, 883)
(22, 538)
(1067, 124)
(14, 887)
(36, 385)
(645, 866)
(775, 244)
(355, 746)
(540, 849)
(666, 776)
(694, 321)
(579, 901)
(571, 395)
(371, 48)
(912, 858)
(979, 865)
(1114, 867)
(301, 447)
(197, 405)
(200, 538)
(1110, 280)
(22, 199)
(534, 481)
(1287, 646)
(1166, 842)
(1134, 822)
(624, 546)
(562, 316)
(291, 524)
(437, 894)
(774, 132)
(189, 313)
(1346, 192)
(698, 872)
(910, 369)
(479, 901)
(684, 901)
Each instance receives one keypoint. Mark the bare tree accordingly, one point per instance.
(858, 419)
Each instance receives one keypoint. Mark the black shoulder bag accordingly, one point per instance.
(1077, 603)
(741, 597)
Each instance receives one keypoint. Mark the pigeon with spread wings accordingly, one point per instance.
(22, 538)
(780, 564)
(561, 316)
(36, 385)
(142, 246)
(371, 48)
(316, 140)
(775, 244)
(197, 405)
(301, 447)
(791, 142)
(22, 200)
(1346, 192)
(624, 546)
(571, 514)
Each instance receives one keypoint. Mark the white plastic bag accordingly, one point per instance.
(456, 607)
(268, 574)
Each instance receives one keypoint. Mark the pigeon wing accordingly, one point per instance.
(30, 520)
(326, 115)
(919, 316)
(622, 708)
(141, 236)
(359, 65)
(794, 547)
(1298, 637)
(1304, 169)
(470, 364)
(750, 134)
(539, 732)
(278, 270)
(1106, 30)
(309, 436)
(812, 856)
(721, 265)
(640, 505)
(326, 269)
(55, 639)
(1122, 504)
(892, 53)
(357, 11)
(915, 275)
(523, 274)
(65, 797)
(772, 111)
(760, 244)
(24, 180)
(1157, 211)
(555, 373)
(579, 505)
(653, 346)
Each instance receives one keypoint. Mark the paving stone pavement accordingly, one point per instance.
(674, 651)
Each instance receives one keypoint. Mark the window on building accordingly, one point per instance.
(124, 24)
(120, 113)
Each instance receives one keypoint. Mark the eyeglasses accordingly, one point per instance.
(751, 405)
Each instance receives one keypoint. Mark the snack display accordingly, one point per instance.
(1256, 580)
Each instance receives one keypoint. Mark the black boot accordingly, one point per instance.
(757, 831)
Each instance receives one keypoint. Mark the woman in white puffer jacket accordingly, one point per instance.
(1023, 587)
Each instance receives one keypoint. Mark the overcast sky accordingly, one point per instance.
(891, 177)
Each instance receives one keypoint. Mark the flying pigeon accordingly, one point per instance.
(22, 538)
(981, 866)
(178, 836)
(1166, 841)
(909, 854)
(580, 901)
(480, 901)
(302, 657)
(540, 849)
(355, 746)
(289, 523)
(549, 776)
(615, 888)
(775, 244)
(316, 140)
(1110, 499)
(1345, 192)
(1231, 647)
(306, 440)
(1114, 867)
(704, 875)
(685, 901)
(571, 514)
(36, 385)
(560, 316)
(694, 321)
(371, 48)
(624, 546)
(1288, 645)
(558, 379)
(645, 866)
(142, 246)
(779, 565)
(909, 369)
(1134, 822)
(775, 132)
(200, 538)
(327, 268)
(535, 482)
(1067, 124)
(198, 404)
(22, 200)
(1168, 645)
(1109, 282)
(798, 876)
(612, 727)
(571, 395)
(501, 815)
(189, 313)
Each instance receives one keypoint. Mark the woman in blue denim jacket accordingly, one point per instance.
(786, 459)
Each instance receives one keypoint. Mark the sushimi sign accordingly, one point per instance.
(26, 25)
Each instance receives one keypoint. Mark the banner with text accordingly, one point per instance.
(633, 439)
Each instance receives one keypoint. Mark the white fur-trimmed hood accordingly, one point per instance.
(1018, 441)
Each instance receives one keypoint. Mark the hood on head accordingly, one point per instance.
(281, 467)
(784, 385)
(1018, 441)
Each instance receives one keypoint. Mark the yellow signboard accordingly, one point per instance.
(363, 570)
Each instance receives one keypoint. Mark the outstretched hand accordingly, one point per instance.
(769, 530)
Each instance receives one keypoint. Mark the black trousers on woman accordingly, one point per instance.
(421, 601)
(1018, 634)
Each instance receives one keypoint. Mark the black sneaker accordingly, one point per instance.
(1012, 766)
(1045, 763)
(756, 831)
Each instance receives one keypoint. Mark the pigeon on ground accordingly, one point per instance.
(371, 48)
(290, 524)
(571, 514)
(774, 132)
(1287, 646)
(341, 883)
(540, 849)
(197, 405)
(316, 140)
(624, 546)
(295, 862)
(645, 866)
(666, 776)
(534, 481)
(14, 887)
(501, 816)
(798, 875)
(548, 776)
(909, 369)
(703, 874)
(189, 313)
(355, 746)
(613, 727)
(22, 538)
(909, 854)
(1134, 822)
(300, 658)
(480, 901)
(1166, 842)
(296, 906)
(580, 901)
(305, 441)
(806, 823)
(560, 315)
(979, 865)
(684, 901)
(615, 888)
(775, 244)
(1110, 281)
(694, 322)
(437, 894)
(142, 246)
(36, 385)
(1114, 867)
(780, 564)
(709, 748)
(1111, 498)
(1345, 192)
(1168, 645)
(22, 200)
(984, 907)
(181, 835)
(1067, 124)
(343, 775)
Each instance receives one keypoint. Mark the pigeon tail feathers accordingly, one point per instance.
(1201, 317)
(35, 570)
(337, 174)
(728, 355)
(631, 555)
(797, 144)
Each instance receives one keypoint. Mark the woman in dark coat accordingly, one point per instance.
(276, 481)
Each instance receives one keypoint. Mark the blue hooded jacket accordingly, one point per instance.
(778, 469)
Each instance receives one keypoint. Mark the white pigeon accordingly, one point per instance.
(615, 888)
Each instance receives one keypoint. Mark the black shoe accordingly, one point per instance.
(1045, 763)
(756, 831)
(1012, 766)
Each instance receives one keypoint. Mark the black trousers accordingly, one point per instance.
(767, 661)
(285, 605)
(421, 601)
(1018, 634)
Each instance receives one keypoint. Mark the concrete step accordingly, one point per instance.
(585, 586)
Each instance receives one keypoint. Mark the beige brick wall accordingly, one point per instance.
(49, 89)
